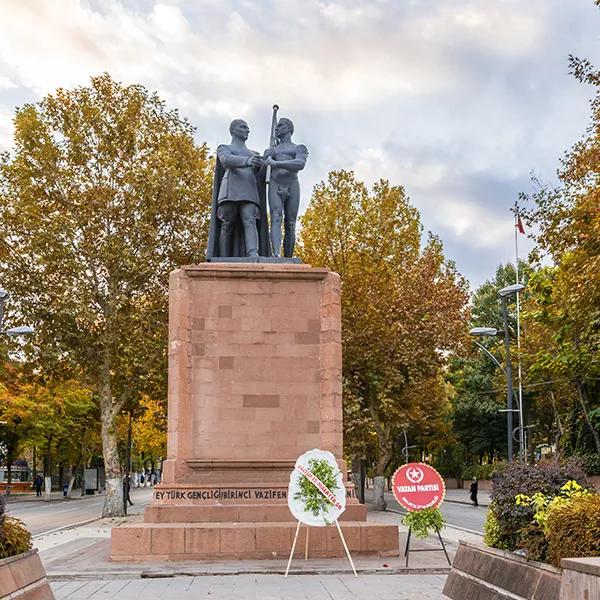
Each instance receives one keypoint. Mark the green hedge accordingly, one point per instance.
(492, 532)
(574, 529)
(591, 463)
(519, 478)
(482, 471)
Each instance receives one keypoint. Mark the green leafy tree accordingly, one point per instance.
(567, 226)
(102, 195)
(477, 382)
(402, 309)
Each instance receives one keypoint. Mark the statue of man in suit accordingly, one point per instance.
(238, 225)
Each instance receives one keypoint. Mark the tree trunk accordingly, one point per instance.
(127, 463)
(559, 433)
(113, 498)
(379, 486)
(48, 470)
(48, 458)
(383, 432)
(70, 488)
(379, 502)
(583, 403)
(358, 478)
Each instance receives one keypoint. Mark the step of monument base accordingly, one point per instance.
(238, 513)
(215, 541)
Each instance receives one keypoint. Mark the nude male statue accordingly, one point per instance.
(238, 222)
(285, 159)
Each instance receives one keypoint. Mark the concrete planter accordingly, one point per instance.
(23, 577)
(580, 579)
(489, 574)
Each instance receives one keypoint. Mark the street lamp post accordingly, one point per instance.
(504, 294)
(406, 448)
(491, 332)
(509, 381)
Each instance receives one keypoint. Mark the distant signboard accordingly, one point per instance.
(91, 479)
(417, 486)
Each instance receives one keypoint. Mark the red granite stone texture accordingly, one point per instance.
(131, 540)
(27, 570)
(251, 374)
(167, 540)
(202, 541)
(260, 541)
(255, 380)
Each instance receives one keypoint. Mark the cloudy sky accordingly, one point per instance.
(457, 100)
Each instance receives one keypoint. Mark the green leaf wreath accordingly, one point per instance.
(423, 522)
(314, 501)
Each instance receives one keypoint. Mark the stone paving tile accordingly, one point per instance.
(258, 587)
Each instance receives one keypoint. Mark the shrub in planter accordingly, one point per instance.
(14, 536)
(425, 521)
(591, 463)
(546, 478)
(573, 529)
(533, 542)
(492, 534)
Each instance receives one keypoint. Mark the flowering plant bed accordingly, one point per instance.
(21, 571)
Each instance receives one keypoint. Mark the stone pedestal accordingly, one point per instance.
(255, 368)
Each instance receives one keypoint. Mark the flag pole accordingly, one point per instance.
(519, 377)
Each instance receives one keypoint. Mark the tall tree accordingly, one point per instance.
(567, 222)
(103, 194)
(402, 305)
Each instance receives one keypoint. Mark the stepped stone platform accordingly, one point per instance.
(255, 368)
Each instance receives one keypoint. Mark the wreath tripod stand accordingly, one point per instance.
(407, 550)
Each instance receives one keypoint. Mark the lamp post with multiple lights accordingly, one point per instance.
(504, 294)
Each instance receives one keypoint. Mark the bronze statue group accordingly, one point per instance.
(244, 183)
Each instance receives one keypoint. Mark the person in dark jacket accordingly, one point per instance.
(474, 492)
(38, 483)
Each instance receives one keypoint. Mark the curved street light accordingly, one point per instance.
(504, 294)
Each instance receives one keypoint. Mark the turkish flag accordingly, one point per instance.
(519, 224)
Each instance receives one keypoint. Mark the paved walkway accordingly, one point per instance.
(78, 568)
(83, 552)
(259, 587)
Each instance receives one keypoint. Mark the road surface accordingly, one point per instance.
(464, 516)
(40, 516)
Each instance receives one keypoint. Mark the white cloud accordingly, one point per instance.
(454, 99)
(6, 128)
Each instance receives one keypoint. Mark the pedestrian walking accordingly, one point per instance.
(474, 492)
(38, 482)
(126, 488)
